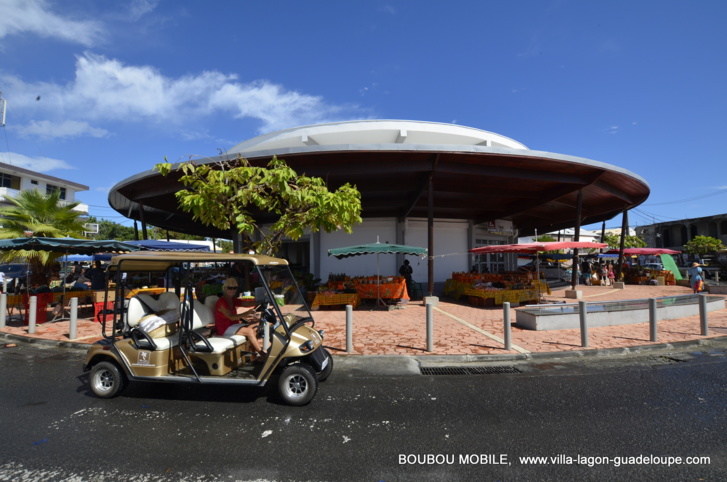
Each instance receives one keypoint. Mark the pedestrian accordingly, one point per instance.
(96, 276)
(2, 282)
(695, 277)
(611, 274)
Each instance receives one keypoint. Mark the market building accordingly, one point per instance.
(445, 187)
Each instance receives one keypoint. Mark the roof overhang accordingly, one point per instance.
(533, 189)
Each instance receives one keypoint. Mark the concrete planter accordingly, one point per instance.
(567, 317)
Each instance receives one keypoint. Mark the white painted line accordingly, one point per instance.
(480, 330)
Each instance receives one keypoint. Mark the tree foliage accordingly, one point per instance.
(225, 194)
(702, 245)
(41, 215)
(544, 238)
(111, 230)
(614, 241)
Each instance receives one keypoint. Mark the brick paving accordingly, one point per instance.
(459, 329)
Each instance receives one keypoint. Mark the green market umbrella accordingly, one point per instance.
(65, 245)
(376, 248)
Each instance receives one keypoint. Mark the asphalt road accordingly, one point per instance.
(590, 419)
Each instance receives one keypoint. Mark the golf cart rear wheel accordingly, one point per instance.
(107, 380)
(297, 384)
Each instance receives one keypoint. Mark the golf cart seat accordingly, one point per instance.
(151, 328)
(202, 316)
(168, 301)
(210, 301)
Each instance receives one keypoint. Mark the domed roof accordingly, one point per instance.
(473, 174)
(376, 132)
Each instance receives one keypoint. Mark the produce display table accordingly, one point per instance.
(335, 299)
(393, 290)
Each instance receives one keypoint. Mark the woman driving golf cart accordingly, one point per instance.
(228, 322)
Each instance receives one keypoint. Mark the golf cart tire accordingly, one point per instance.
(297, 384)
(107, 380)
(325, 373)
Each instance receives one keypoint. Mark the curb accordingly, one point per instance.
(401, 365)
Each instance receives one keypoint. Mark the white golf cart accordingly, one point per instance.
(169, 336)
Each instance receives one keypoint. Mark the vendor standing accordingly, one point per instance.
(406, 272)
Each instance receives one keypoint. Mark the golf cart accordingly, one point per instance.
(168, 336)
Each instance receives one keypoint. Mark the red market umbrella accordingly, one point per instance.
(534, 248)
(645, 251)
(537, 247)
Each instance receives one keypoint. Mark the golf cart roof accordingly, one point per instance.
(162, 260)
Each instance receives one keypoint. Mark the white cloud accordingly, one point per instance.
(38, 164)
(66, 129)
(108, 90)
(36, 17)
(139, 8)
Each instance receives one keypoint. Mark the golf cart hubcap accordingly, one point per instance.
(297, 385)
(105, 380)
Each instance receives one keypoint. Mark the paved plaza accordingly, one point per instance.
(459, 329)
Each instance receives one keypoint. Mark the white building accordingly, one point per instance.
(15, 179)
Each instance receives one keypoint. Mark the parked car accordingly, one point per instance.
(653, 266)
(16, 274)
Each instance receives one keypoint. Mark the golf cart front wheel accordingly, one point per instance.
(297, 384)
(107, 380)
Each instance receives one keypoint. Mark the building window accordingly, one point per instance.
(9, 181)
(489, 262)
(50, 189)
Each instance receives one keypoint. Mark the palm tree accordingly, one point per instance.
(42, 215)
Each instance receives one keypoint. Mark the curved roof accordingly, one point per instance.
(475, 175)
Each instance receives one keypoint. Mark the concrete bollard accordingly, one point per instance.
(507, 327)
(653, 318)
(31, 314)
(582, 314)
(703, 314)
(3, 309)
(73, 320)
(349, 328)
(430, 328)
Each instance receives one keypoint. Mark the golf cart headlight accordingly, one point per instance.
(306, 347)
(322, 333)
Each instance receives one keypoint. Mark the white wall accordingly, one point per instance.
(450, 240)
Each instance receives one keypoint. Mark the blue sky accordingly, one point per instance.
(100, 90)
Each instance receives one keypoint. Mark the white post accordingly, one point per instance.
(3, 309)
(349, 328)
(31, 314)
(73, 320)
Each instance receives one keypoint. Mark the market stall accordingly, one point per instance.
(489, 289)
(379, 288)
(513, 288)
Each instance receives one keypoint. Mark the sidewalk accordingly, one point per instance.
(459, 329)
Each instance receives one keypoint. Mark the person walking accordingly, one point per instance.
(695, 277)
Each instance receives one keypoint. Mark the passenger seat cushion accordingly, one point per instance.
(157, 327)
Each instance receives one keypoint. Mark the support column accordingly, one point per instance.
(430, 236)
(576, 238)
(624, 231)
